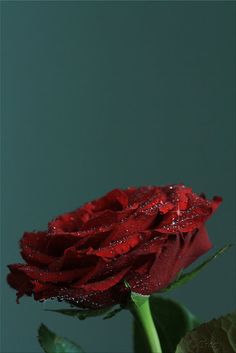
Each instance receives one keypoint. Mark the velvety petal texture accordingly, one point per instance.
(143, 235)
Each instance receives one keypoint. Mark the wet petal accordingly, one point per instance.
(72, 258)
(34, 247)
(177, 253)
(186, 220)
(115, 200)
(77, 296)
(71, 221)
(34, 240)
(116, 248)
(105, 284)
(45, 276)
(135, 224)
(217, 200)
(19, 281)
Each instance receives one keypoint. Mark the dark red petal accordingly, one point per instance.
(116, 248)
(54, 277)
(19, 281)
(115, 200)
(71, 221)
(198, 211)
(107, 219)
(101, 219)
(133, 225)
(72, 258)
(34, 240)
(77, 296)
(34, 247)
(58, 243)
(179, 195)
(166, 207)
(96, 271)
(215, 203)
(144, 264)
(80, 219)
(104, 284)
(76, 236)
(177, 253)
(152, 246)
(94, 241)
(141, 195)
(108, 268)
(36, 257)
(198, 245)
(184, 221)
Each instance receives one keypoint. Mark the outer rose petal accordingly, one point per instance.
(52, 277)
(71, 221)
(104, 284)
(80, 297)
(34, 247)
(115, 200)
(176, 254)
(19, 281)
(215, 203)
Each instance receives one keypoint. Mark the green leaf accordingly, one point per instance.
(84, 314)
(51, 343)
(215, 336)
(184, 278)
(172, 321)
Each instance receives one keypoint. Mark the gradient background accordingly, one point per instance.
(98, 95)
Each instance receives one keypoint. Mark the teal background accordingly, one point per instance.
(98, 95)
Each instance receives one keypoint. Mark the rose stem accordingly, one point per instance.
(144, 315)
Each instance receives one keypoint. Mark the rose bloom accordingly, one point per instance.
(144, 235)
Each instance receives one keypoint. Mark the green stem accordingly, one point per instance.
(144, 315)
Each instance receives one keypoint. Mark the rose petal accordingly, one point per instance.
(71, 221)
(72, 258)
(77, 296)
(19, 281)
(33, 247)
(115, 200)
(105, 284)
(116, 248)
(53, 277)
(177, 253)
(185, 221)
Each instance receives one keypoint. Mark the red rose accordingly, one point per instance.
(142, 235)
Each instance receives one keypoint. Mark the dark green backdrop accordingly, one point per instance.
(98, 95)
